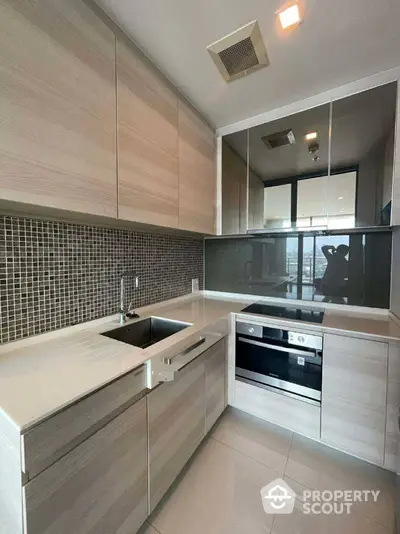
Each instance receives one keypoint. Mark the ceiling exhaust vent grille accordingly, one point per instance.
(240, 52)
(278, 139)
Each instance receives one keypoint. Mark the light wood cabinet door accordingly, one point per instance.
(353, 428)
(147, 141)
(355, 370)
(290, 413)
(392, 443)
(99, 487)
(58, 105)
(176, 415)
(214, 360)
(354, 390)
(197, 173)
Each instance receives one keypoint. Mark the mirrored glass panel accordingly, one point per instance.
(277, 206)
(234, 183)
(363, 127)
(281, 154)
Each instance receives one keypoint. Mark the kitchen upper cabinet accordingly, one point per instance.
(176, 419)
(293, 170)
(354, 396)
(234, 188)
(362, 155)
(256, 201)
(197, 173)
(147, 141)
(329, 167)
(57, 113)
(100, 486)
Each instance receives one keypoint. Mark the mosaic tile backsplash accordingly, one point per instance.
(55, 274)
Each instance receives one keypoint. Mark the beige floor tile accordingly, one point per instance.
(299, 523)
(147, 529)
(262, 441)
(309, 460)
(319, 467)
(218, 494)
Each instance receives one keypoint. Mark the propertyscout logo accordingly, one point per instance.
(279, 498)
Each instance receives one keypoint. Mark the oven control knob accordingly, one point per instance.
(301, 339)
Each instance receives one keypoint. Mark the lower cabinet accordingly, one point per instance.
(354, 396)
(180, 413)
(99, 487)
(214, 360)
(392, 445)
(278, 409)
(176, 414)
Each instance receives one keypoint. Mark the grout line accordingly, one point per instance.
(244, 454)
(152, 526)
(287, 459)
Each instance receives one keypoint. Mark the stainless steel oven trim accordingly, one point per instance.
(278, 347)
(278, 391)
(282, 385)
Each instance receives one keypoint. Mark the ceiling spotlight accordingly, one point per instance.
(311, 136)
(289, 16)
(340, 198)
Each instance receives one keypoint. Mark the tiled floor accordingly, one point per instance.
(219, 491)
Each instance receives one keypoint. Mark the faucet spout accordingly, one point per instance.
(123, 312)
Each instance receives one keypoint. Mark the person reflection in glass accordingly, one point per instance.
(334, 281)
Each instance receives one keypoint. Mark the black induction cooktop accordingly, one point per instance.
(298, 314)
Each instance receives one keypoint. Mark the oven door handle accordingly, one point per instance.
(281, 349)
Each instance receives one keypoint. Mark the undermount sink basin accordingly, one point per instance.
(146, 332)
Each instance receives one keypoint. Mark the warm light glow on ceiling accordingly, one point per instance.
(290, 16)
(310, 136)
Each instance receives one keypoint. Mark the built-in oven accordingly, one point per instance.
(289, 362)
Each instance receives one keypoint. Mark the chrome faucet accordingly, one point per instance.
(123, 314)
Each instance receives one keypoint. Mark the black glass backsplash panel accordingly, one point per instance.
(352, 268)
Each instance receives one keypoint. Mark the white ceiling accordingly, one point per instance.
(339, 42)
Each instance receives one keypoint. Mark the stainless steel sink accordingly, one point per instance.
(146, 332)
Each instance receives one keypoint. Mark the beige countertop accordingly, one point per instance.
(41, 375)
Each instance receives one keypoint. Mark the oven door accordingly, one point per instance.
(289, 369)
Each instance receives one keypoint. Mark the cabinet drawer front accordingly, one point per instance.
(47, 442)
(99, 487)
(355, 370)
(176, 415)
(285, 411)
(354, 428)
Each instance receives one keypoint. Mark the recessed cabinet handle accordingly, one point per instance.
(168, 361)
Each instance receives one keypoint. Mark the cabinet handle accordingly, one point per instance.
(168, 361)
